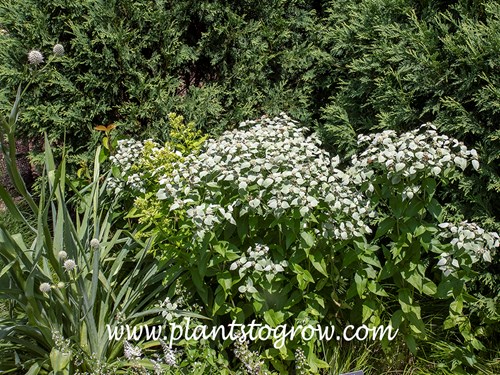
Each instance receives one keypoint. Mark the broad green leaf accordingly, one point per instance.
(274, 318)
(59, 361)
(411, 343)
(308, 238)
(318, 261)
(429, 288)
(360, 282)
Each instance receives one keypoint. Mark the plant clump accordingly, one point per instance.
(268, 168)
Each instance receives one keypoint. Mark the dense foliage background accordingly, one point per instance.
(342, 66)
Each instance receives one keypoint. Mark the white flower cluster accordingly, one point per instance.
(169, 309)
(60, 343)
(411, 154)
(258, 260)
(128, 152)
(170, 356)
(45, 287)
(468, 237)
(69, 265)
(267, 167)
(253, 364)
(300, 362)
(131, 352)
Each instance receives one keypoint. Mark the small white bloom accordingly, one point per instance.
(131, 352)
(62, 255)
(35, 57)
(69, 265)
(45, 287)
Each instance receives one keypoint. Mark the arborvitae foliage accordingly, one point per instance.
(132, 63)
(343, 66)
(401, 63)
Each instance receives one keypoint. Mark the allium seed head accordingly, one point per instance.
(35, 57)
(58, 49)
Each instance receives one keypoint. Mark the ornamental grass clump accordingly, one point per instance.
(71, 280)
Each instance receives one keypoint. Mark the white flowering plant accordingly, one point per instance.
(421, 255)
(268, 224)
(135, 163)
(266, 187)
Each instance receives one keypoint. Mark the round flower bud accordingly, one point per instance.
(60, 285)
(58, 49)
(35, 57)
(69, 265)
(94, 243)
(45, 287)
(62, 255)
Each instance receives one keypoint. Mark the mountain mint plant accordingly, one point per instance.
(341, 242)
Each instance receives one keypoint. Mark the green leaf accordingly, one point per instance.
(318, 261)
(59, 360)
(304, 277)
(396, 206)
(414, 208)
(405, 300)
(384, 226)
(429, 288)
(397, 318)
(34, 369)
(368, 308)
(350, 256)
(414, 278)
(307, 241)
(377, 289)
(429, 185)
(435, 209)
(360, 282)
(274, 318)
(411, 343)
(242, 228)
(225, 280)
(14, 113)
